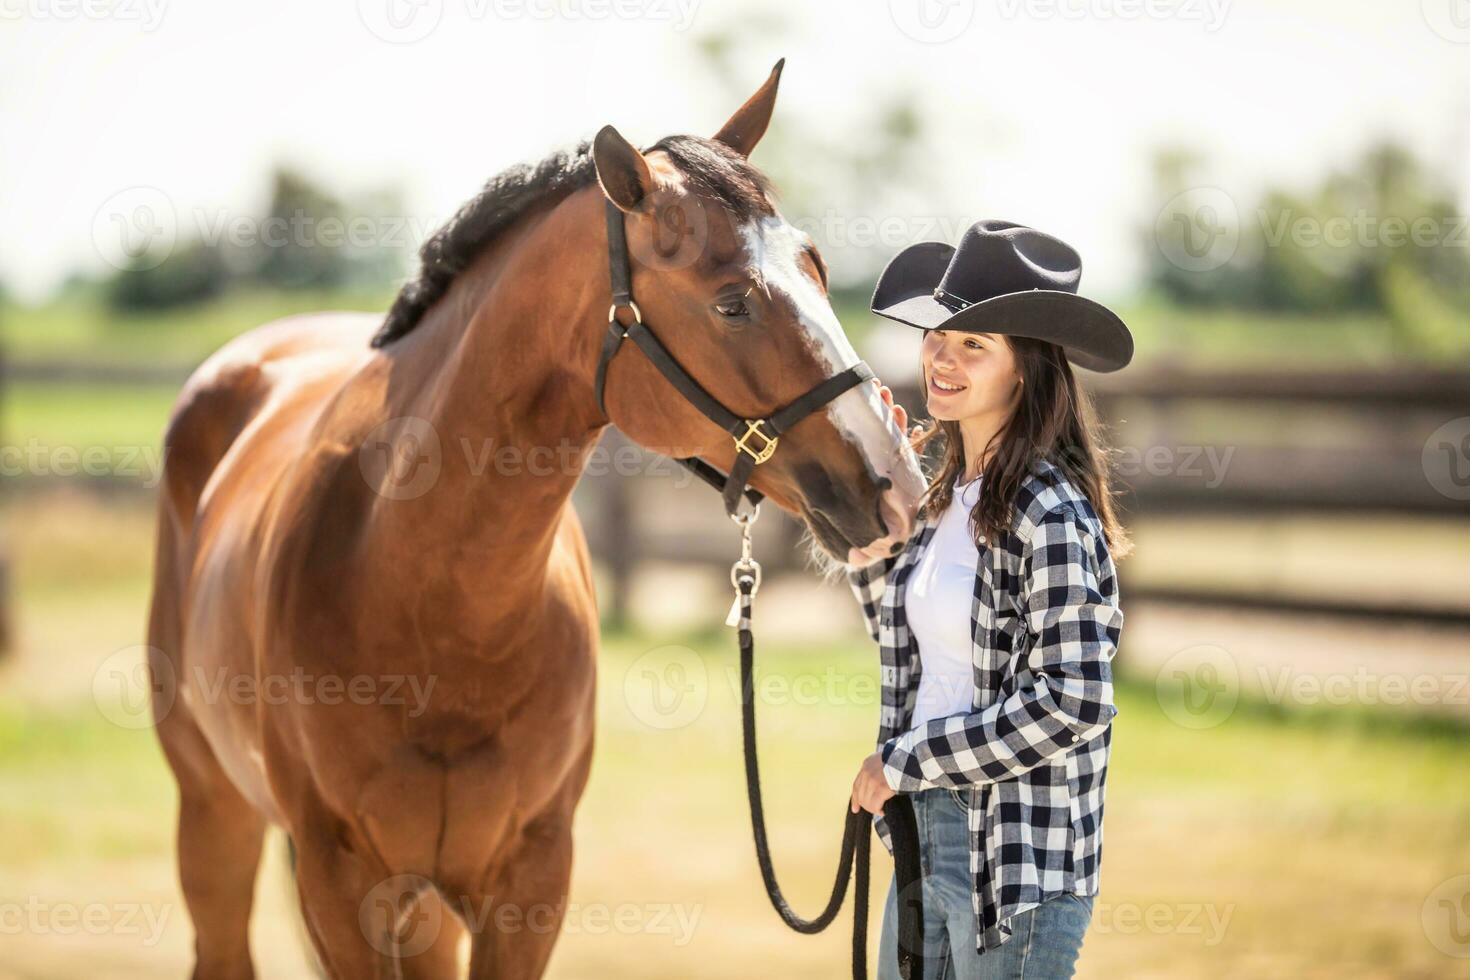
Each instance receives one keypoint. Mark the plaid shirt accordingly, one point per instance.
(1033, 751)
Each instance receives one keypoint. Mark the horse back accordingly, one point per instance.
(228, 391)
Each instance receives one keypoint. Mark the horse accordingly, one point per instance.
(333, 534)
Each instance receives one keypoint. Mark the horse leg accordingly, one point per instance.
(219, 853)
(520, 916)
(334, 885)
(219, 844)
(219, 832)
(366, 922)
(441, 959)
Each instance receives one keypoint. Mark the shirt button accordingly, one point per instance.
(1076, 738)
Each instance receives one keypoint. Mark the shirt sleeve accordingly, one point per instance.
(1064, 690)
(868, 583)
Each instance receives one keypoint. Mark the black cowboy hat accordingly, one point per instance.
(1004, 278)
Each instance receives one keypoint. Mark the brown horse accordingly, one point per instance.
(373, 619)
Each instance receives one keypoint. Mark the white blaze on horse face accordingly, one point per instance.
(858, 413)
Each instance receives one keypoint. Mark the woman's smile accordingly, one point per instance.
(942, 386)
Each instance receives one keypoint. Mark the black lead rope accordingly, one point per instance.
(898, 813)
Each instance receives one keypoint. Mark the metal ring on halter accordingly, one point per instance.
(748, 517)
(751, 566)
(612, 311)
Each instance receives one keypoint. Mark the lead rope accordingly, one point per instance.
(898, 812)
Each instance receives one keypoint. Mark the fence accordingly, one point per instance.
(1219, 443)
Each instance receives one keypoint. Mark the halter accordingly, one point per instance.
(755, 439)
(755, 442)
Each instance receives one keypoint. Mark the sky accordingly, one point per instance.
(1046, 112)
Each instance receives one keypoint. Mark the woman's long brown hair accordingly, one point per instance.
(1053, 420)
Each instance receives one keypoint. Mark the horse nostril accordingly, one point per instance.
(884, 485)
(895, 515)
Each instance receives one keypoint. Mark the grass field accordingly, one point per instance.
(1304, 843)
(115, 417)
(1274, 846)
(81, 327)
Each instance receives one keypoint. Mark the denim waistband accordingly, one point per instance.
(963, 798)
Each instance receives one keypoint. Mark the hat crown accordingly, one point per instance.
(998, 257)
(1008, 280)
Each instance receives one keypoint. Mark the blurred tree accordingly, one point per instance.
(291, 251)
(78, 284)
(1190, 227)
(192, 273)
(1382, 237)
(5, 598)
(308, 238)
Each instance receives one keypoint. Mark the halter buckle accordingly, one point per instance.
(753, 428)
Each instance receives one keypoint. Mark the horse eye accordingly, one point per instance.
(733, 308)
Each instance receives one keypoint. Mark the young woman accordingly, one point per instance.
(997, 622)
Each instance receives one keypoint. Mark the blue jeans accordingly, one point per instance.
(1044, 942)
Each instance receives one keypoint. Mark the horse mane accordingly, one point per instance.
(513, 192)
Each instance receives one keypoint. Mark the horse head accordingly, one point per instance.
(738, 296)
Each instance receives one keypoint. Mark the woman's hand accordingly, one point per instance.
(870, 790)
(900, 415)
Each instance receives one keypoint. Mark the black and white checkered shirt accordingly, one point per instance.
(1033, 751)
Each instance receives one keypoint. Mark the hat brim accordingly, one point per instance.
(1093, 336)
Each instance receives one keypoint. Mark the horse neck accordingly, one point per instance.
(502, 370)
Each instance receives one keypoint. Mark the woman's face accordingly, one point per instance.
(981, 365)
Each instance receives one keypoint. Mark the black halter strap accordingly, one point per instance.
(755, 439)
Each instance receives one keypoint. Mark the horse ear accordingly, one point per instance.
(621, 169)
(744, 130)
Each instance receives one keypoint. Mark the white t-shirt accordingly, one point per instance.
(937, 603)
